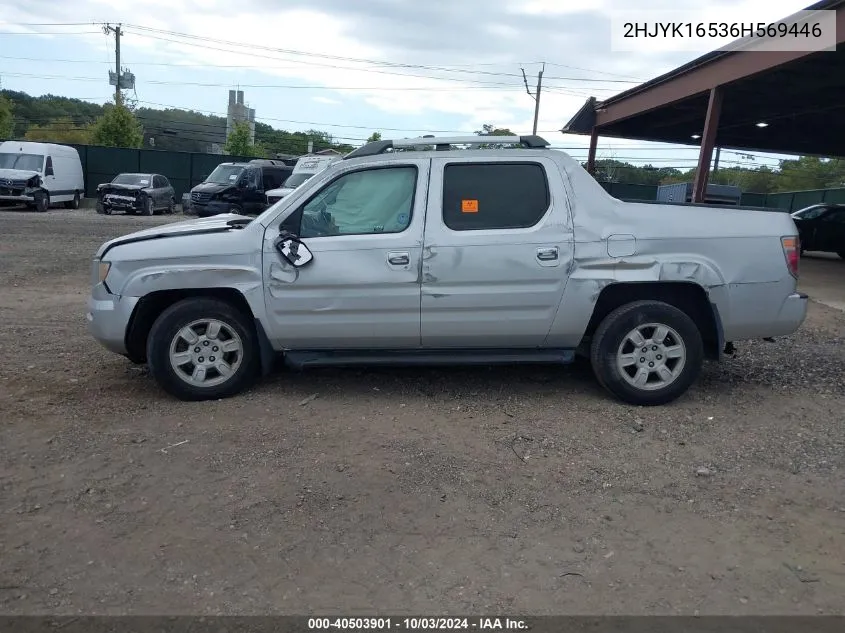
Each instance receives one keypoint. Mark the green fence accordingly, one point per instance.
(794, 200)
(184, 170)
(627, 191)
(788, 200)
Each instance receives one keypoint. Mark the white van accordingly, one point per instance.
(40, 174)
(305, 168)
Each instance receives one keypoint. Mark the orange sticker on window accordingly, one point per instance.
(469, 206)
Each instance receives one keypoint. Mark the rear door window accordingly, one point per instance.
(483, 196)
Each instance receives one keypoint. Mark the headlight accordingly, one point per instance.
(104, 270)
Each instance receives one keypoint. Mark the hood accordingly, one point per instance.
(279, 193)
(214, 224)
(110, 186)
(17, 174)
(211, 187)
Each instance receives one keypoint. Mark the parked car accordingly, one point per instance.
(146, 194)
(821, 227)
(457, 257)
(238, 187)
(40, 174)
(305, 168)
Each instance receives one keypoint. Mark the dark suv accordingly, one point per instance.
(238, 187)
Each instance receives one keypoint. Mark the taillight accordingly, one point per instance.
(792, 251)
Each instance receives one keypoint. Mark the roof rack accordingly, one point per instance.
(444, 143)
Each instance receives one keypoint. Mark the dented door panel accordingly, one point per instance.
(358, 292)
(493, 288)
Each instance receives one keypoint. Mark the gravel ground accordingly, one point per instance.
(520, 490)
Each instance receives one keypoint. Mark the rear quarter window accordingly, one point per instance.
(479, 196)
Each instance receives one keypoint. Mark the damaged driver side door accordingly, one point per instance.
(360, 288)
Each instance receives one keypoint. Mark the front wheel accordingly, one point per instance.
(147, 207)
(202, 349)
(647, 353)
(42, 201)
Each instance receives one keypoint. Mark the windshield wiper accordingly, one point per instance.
(239, 223)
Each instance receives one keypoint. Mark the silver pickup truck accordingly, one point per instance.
(405, 254)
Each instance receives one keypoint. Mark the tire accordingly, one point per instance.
(171, 207)
(237, 209)
(148, 208)
(611, 348)
(42, 201)
(100, 208)
(167, 334)
(73, 204)
(841, 253)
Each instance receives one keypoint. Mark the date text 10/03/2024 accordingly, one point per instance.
(417, 624)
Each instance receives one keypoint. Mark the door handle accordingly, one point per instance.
(398, 259)
(547, 254)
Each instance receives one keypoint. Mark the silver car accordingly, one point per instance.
(404, 254)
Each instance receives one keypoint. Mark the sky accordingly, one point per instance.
(352, 67)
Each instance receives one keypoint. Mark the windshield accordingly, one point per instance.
(27, 162)
(296, 179)
(132, 179)
(809, 213)
(225, 174)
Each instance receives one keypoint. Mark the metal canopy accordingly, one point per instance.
(789, 102)
(801, 103)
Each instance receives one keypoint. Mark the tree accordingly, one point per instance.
(491, 130)
(118, 127)
(7, 121)
(811, 172)
(238, 143)
(62, 130)
(375, 136)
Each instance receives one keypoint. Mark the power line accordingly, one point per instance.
(600, 72)
(28, 24)
(48, 33)
(442, 67)
(252, 47)
(201, 84)
(264, 67)
(334, 66)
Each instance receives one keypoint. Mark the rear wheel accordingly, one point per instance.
(73, 204)
(171, 206)
(647, 353)
(42, 201)
(236, 209)
(201, 349)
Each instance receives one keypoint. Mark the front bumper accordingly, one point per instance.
(108, 318)
(120, 203)
(211, 208)
(16, 198)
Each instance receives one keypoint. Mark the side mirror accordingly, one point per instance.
(293, 250)
(49, 171)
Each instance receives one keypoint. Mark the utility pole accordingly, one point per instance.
(716, 163)
(535, 96)
(118, 97)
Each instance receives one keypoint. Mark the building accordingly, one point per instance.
(239, 113)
